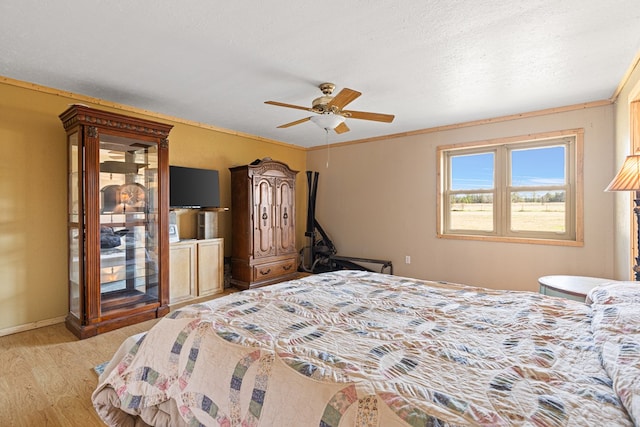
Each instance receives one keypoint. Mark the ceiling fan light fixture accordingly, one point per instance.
(330, 110)
(327, 121)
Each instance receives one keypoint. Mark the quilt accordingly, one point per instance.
(354, 348)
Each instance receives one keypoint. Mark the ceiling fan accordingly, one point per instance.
(330, 110)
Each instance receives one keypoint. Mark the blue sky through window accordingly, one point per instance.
(530, 167)
(538, 166)
(472, 172)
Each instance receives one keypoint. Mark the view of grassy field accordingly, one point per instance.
(525, 216)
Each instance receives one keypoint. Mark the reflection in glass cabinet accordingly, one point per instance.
(118, 219)
(128, 246)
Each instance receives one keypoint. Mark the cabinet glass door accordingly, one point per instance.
(75, 261)
(129, 244)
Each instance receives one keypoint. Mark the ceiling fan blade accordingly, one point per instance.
(282, 104)
(344, 97)
(341, 128)
(363, 115)
(297, 122)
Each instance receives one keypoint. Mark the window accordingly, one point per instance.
(523, 189)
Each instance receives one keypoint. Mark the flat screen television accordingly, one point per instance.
(193, 188)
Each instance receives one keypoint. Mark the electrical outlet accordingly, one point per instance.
(407, 259)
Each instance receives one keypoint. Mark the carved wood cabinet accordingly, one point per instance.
(118, 212)
(263, 224)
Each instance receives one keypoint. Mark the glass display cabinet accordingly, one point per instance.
(118, 220)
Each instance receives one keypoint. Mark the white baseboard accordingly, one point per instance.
(31, 326)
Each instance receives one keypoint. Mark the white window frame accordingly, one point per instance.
(572, 139)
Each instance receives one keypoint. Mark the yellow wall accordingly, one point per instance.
(203, 148)
(33, 193)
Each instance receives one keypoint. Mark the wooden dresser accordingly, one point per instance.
(263, 224)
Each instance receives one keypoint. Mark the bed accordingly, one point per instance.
(354, 348)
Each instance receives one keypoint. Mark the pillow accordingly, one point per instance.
(615, 293)
(616, 330)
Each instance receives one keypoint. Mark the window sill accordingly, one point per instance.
(523, 240)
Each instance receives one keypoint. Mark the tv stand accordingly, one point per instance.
(196, 269)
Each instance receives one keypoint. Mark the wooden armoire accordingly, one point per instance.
(263, 224)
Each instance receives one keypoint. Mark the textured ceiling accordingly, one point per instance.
(429, 62)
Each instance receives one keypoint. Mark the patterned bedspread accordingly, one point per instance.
(352, 348)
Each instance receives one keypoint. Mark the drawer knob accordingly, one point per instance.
(263, 272)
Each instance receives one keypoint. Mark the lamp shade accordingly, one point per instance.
(628, 178)
(327, 121)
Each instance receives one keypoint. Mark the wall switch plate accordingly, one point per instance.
(407, 259)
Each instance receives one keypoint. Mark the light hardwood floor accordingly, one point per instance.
(47, 374)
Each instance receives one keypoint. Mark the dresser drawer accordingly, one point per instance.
(274, 269)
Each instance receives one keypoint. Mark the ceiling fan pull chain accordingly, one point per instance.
(328, 147)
